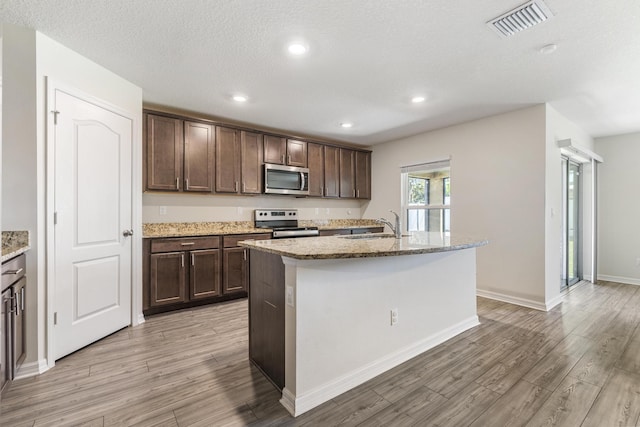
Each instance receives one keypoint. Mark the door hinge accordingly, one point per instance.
(55, 218)
(55, 116)
(55, 318)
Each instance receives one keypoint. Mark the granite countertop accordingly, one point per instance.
(363, 246)
(14, 243)
(185, 229)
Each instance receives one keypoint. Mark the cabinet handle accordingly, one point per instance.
(177, 182)
(188, 244)
(193, 261)
(14, 272)
(321, 190)
(22, 297)
(244, 187)
(289, 159)
(354, 193)
(236, 186)
(358, 193)
(182, 260)
(283, 159)
(244, 254)
(186, 183)
(18, 305)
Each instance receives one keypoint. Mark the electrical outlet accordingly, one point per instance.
(290, 296)
(394, 316)
(162, 210)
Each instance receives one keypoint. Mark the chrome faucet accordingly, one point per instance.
(397, 229)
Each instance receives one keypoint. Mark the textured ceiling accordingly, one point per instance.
(367, 59)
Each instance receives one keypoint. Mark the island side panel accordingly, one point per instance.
(343, 332)
(267, 316)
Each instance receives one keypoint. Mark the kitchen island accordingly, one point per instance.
(329, 313)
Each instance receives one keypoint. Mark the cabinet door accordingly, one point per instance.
(168, 282)
(198, 157)
(19, 338)
(164, 153)
(234, 270)
(275, 149)
(316, 169)
(347, 175)
(204, 274)
(296, 153)
(363, 175)
(251, 147)
(331, 171)
(5, 323)
(227, 160)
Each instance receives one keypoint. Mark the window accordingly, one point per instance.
(426, 197)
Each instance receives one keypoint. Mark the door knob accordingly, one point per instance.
(127, 233)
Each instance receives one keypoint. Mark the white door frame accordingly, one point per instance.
(136, 208)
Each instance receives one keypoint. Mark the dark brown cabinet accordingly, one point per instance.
(363, 174)
(251, 144)
(282, 151)
(198, 157)
(227, 160)
(181, 272)
(347, 173)
(235, 268)
(12, 323)
(296, 153)
(178, 262)
(331, 171)
(164, 142)
(315, 153)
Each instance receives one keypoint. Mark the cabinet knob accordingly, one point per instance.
(127, 233)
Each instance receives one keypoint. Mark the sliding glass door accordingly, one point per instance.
(571, 223)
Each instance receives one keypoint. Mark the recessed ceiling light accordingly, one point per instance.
(346, 125)
(297, 49)
(418, 99)
(239, 98)
(547, 49)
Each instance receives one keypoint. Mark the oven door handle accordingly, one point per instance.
(302, 181)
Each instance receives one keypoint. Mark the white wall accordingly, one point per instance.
(201, 207)
(497, 192)
(619, 208)
(559, 128)
(33, 57)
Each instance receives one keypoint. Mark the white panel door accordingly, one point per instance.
(93, 215)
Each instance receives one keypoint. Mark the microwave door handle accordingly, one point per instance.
(302, 181)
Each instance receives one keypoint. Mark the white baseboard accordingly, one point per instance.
(300, 404)
(514, 300)
(619, 279)
(140, 320)
(33, 368)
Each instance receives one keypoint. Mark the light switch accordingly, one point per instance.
(290, 296)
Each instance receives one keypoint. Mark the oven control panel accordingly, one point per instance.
(276, 214)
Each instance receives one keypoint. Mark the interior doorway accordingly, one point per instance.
(571, 224)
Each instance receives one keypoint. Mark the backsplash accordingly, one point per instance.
(159, 208)
(15, 238)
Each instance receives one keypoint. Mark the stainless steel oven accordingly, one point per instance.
(283, 222)
(280, 179)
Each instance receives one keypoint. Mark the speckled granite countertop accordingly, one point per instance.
(363, 246)
(14, 243)
(184, 229)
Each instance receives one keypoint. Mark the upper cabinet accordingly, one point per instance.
(164, 140)
(199, 155)
(316, 169)
(282, 151)
(227, 160)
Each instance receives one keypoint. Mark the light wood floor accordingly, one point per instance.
(578, 364)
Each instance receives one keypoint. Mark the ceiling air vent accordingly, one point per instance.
(522, 17)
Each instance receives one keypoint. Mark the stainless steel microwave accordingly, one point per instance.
(280, 179)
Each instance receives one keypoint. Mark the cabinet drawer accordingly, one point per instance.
(184, 244)
(232, 240)
(13, 270)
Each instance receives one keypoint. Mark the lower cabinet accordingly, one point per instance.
(12, 321)
(183, 272)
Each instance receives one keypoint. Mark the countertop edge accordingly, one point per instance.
(14, 253)
(404, 252)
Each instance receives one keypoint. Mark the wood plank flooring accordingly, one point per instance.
(577, 365)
